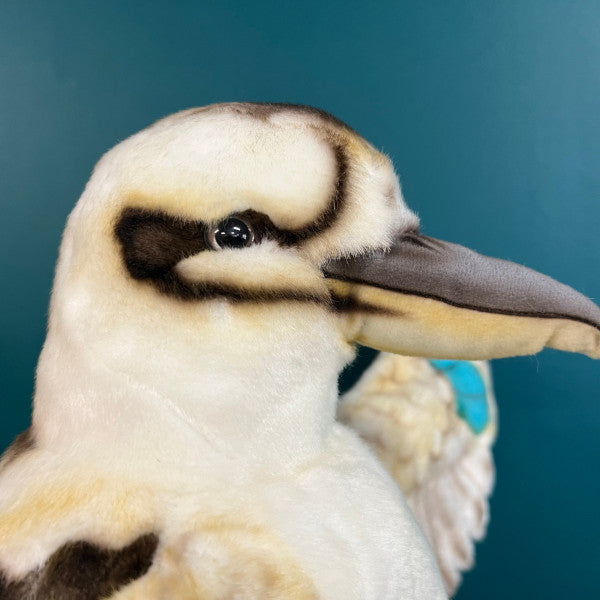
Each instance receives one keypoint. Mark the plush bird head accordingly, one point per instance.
(218, 270)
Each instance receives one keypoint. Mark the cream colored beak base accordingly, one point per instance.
(426, 297)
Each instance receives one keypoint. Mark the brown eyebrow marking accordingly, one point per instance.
(153, 241)
(292, 237)
(83, 571)
(262, 111)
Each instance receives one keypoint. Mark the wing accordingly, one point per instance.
(432, 423)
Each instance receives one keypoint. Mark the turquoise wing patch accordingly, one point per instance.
(470, 390)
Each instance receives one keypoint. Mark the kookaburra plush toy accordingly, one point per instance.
(187, 441)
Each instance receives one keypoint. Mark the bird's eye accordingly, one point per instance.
(233, 232)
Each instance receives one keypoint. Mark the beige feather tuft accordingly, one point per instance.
(406, 410)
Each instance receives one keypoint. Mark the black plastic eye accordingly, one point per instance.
(230, 233)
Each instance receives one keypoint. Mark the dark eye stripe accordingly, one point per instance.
(173, 285)
(152, 243)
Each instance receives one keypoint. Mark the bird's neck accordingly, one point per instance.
(222, 403)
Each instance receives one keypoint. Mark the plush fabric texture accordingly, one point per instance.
(189, 392)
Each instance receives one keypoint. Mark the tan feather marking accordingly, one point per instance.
(420, 412)
(109, 514)
(221, 559)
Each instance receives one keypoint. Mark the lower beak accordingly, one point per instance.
(426, 297)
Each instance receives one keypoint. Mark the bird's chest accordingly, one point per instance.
(318, 540)
(337, 529)
(350, 528)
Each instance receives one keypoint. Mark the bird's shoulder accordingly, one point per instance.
(65, 528)
(70, 533)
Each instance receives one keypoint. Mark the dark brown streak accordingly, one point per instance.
(292, 237)
(263, 110)
(350, 304)
(154, 242)
(82, 571)
(484, 309)
(418, 239)
(23, 443)
(172, 285)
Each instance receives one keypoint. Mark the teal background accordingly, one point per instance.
(491, 112)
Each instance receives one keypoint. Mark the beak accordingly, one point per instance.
(426, 297)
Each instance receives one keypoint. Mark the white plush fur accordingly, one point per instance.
(187, 411)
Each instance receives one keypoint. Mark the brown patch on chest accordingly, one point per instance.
(83, 571)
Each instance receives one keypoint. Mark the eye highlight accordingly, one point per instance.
(233, 232)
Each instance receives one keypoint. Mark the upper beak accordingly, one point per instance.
(426, 297)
